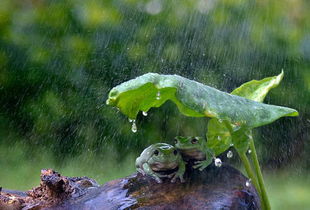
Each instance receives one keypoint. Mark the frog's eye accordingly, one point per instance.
(156, 152)
(175, 152)
(194, 141)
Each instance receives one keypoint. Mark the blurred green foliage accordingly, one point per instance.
(60, 58)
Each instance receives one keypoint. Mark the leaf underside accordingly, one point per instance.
(192, 99)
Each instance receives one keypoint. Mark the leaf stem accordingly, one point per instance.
(249, 171)
(259, 175)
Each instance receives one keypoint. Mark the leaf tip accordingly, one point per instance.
(293, 113)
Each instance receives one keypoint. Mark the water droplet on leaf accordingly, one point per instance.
(158, 95)
(219, 138)
(230, 154)
(134, 127)
(249, 151)
(130, 120)
(144, 113)
(218, 162)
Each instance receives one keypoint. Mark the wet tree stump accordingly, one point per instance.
(214, 188)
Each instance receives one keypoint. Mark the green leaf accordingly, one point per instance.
(257, 90)
(218, 136)
(240, 139)
(192, 99)
(254, 90)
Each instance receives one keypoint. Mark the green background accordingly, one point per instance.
(60, 58)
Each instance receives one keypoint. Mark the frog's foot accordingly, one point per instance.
(178, 175)
(141, 171)
(171, 175)
(201, 165)
(157, 179)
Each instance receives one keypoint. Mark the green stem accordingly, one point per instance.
(249, 171)
(259, 176)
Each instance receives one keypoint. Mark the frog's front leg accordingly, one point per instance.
(202, 164)
(147, 169)
(179, 174)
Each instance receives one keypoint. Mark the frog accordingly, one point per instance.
(161, 160)
(195, 148)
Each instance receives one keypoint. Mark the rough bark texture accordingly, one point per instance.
(214, 188)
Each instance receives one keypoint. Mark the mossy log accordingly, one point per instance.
(214, 188)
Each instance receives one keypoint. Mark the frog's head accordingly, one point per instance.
(164, 157)
(191, 147)
(189, 142)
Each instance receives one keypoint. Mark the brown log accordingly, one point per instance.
(214, 188)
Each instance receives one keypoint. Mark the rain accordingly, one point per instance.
(60, 59)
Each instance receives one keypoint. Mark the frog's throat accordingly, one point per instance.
(193, 154)
(158, 166)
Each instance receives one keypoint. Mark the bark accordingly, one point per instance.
(214, 188)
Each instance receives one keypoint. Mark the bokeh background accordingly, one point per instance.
(60, 58)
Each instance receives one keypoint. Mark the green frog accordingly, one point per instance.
(195, 148)
(161, 160)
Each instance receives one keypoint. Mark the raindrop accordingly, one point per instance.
(158, 95)
(144, 113)
(218, 162)
(230, 154)
(248, 183)
(249, 151)
(154, 7)
(134, 127)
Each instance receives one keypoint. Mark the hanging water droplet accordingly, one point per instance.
(249, 151)
(144, 113)
(248, 183)
(158, 95)
(134, 127)
(130, 120)
(219, 138)
(218, 162)
(230, 154)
